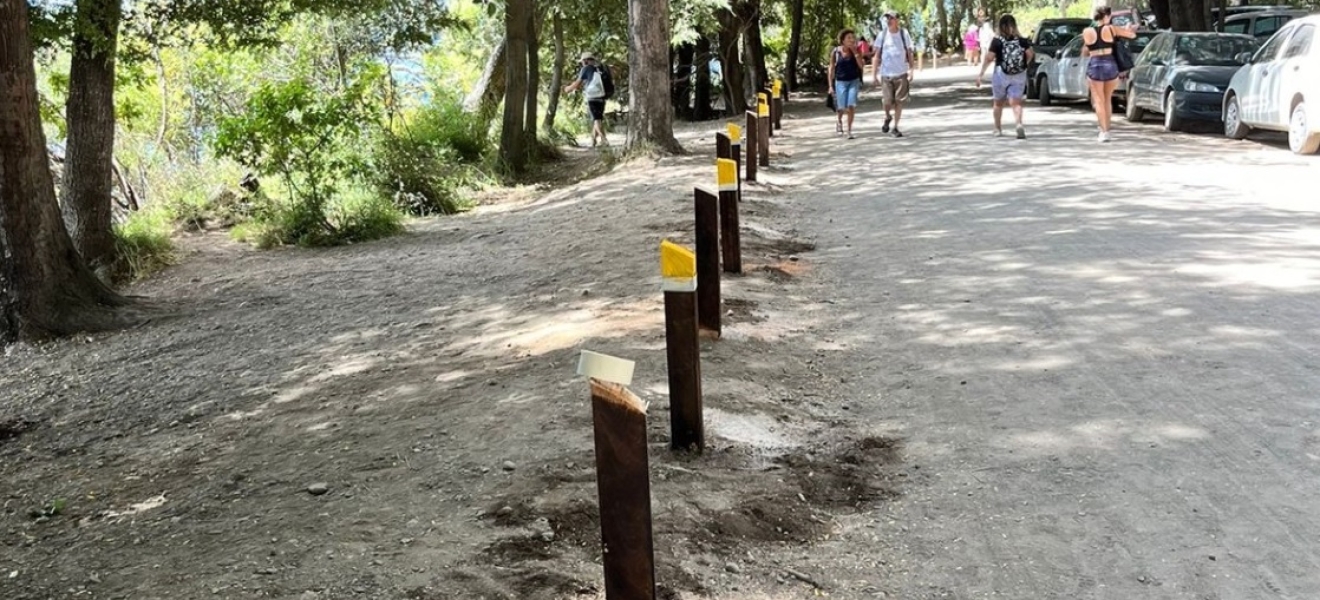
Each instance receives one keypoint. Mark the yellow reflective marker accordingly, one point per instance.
(678, 268)
(779, 86)
(763, 109)
(605, 367)
(762, 98)
(726, 174)
(735, 133)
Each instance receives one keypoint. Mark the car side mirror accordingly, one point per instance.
(1243, 58)
(1058, 54)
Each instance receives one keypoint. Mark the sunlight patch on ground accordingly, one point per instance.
(1101, 435)
(1296, 274)
(140, 507)
(756, 430)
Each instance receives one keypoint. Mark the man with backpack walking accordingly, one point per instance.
(1010, 53)
(892, 70)
(598, 86)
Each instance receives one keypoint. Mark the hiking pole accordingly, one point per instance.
(623, 479)
(678, 268)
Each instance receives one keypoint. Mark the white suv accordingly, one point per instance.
(1274, 89)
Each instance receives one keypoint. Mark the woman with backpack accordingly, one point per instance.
(1102, 69)
(1010, 53)
(845, 79)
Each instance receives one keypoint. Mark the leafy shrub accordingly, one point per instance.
(354, 216)
(425, 165)
(143, 244)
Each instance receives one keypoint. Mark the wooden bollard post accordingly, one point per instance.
(708, 259)
(777, 105)
(723, 146)
(678, 266)
(763, 134)
(752, 133)
(730, 238)
(763, 110)
(735, 142)
(623, 479)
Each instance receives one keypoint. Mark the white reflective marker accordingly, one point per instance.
(605, 367)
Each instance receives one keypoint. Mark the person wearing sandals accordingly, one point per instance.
(1101, 68)
(892, 69)
(845, 79)
(1010, 53)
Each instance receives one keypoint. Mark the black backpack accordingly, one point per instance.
(1014, 56)
(607, 80)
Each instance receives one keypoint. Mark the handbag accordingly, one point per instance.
(829, 101)
(1123, 56)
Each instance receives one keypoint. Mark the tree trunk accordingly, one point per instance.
(731, 69)
(795, 43)
(651, 120)
(683, 82)
(1163, 16)
(533, 78)
(1223, 14)
(486, 96)
(701, 81)
(45, 288)
(557, 77)
(513, 137)
(90, 114)
(942, 17)
(751, 18)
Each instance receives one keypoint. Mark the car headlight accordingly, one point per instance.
(1197, 86)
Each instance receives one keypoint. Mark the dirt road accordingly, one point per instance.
(1103, 359)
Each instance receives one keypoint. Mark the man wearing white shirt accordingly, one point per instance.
(987, 37)
(892, 69)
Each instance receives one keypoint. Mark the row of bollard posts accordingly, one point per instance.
(690, 281)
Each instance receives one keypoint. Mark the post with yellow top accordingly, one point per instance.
(735, 146)
(777, 105)
(730, 239)
(763, 132)
(708, 259)
(623, 479)
(678, 267)
(752, 131)
(766, 111)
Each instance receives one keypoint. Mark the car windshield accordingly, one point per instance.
(1059, 34)
(1139, 43)
(1212, 51)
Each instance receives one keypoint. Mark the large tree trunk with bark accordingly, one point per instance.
(513, 137)
(1189, 15)
(533, 79)
(942, 17)
(45, 287)
(797, 13)
(557, 77)
(682, 94)
(701, 81)
(753, 44)
(1163, 16)
(90, 113)
(486, 96)
(650, 117)
(731, 67)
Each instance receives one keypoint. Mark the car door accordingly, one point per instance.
(1156, 57)
(1072, 76)
(1293, 69)
(1251, 98)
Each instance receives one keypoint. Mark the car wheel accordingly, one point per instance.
(1133, 113)
(1234, 128)
(1172, 122)
(1300, 138)
(1046, 98)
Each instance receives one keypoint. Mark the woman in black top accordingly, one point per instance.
(1101, 69)
(845, 79)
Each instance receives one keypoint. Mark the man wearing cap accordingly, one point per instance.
(892, 69)
(592, 78)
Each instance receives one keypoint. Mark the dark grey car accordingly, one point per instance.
(1183, 76)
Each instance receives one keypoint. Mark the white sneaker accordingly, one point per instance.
(999, 133)
(1104, 136)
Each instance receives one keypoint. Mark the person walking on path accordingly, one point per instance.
(1010, 53)
(845, 79)
(595, 78)
(892, 70)
(985, 35)
(971, 45)
(1101, 68)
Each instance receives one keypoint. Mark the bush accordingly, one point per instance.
(143, 244)
(425, 166)
(356, 216)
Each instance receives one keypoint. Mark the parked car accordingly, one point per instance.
(1051, 36)
(1063, 76)
(1183, 76)
(1261, 24)
(1279, 88)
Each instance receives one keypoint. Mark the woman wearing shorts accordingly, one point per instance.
(971, 43)
(1101, 68)
(845, 79)
(1010, 53)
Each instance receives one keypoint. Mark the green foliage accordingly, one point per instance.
(143, 244)
(354, 216)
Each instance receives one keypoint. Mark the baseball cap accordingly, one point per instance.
(890, 15)
(588, 56)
